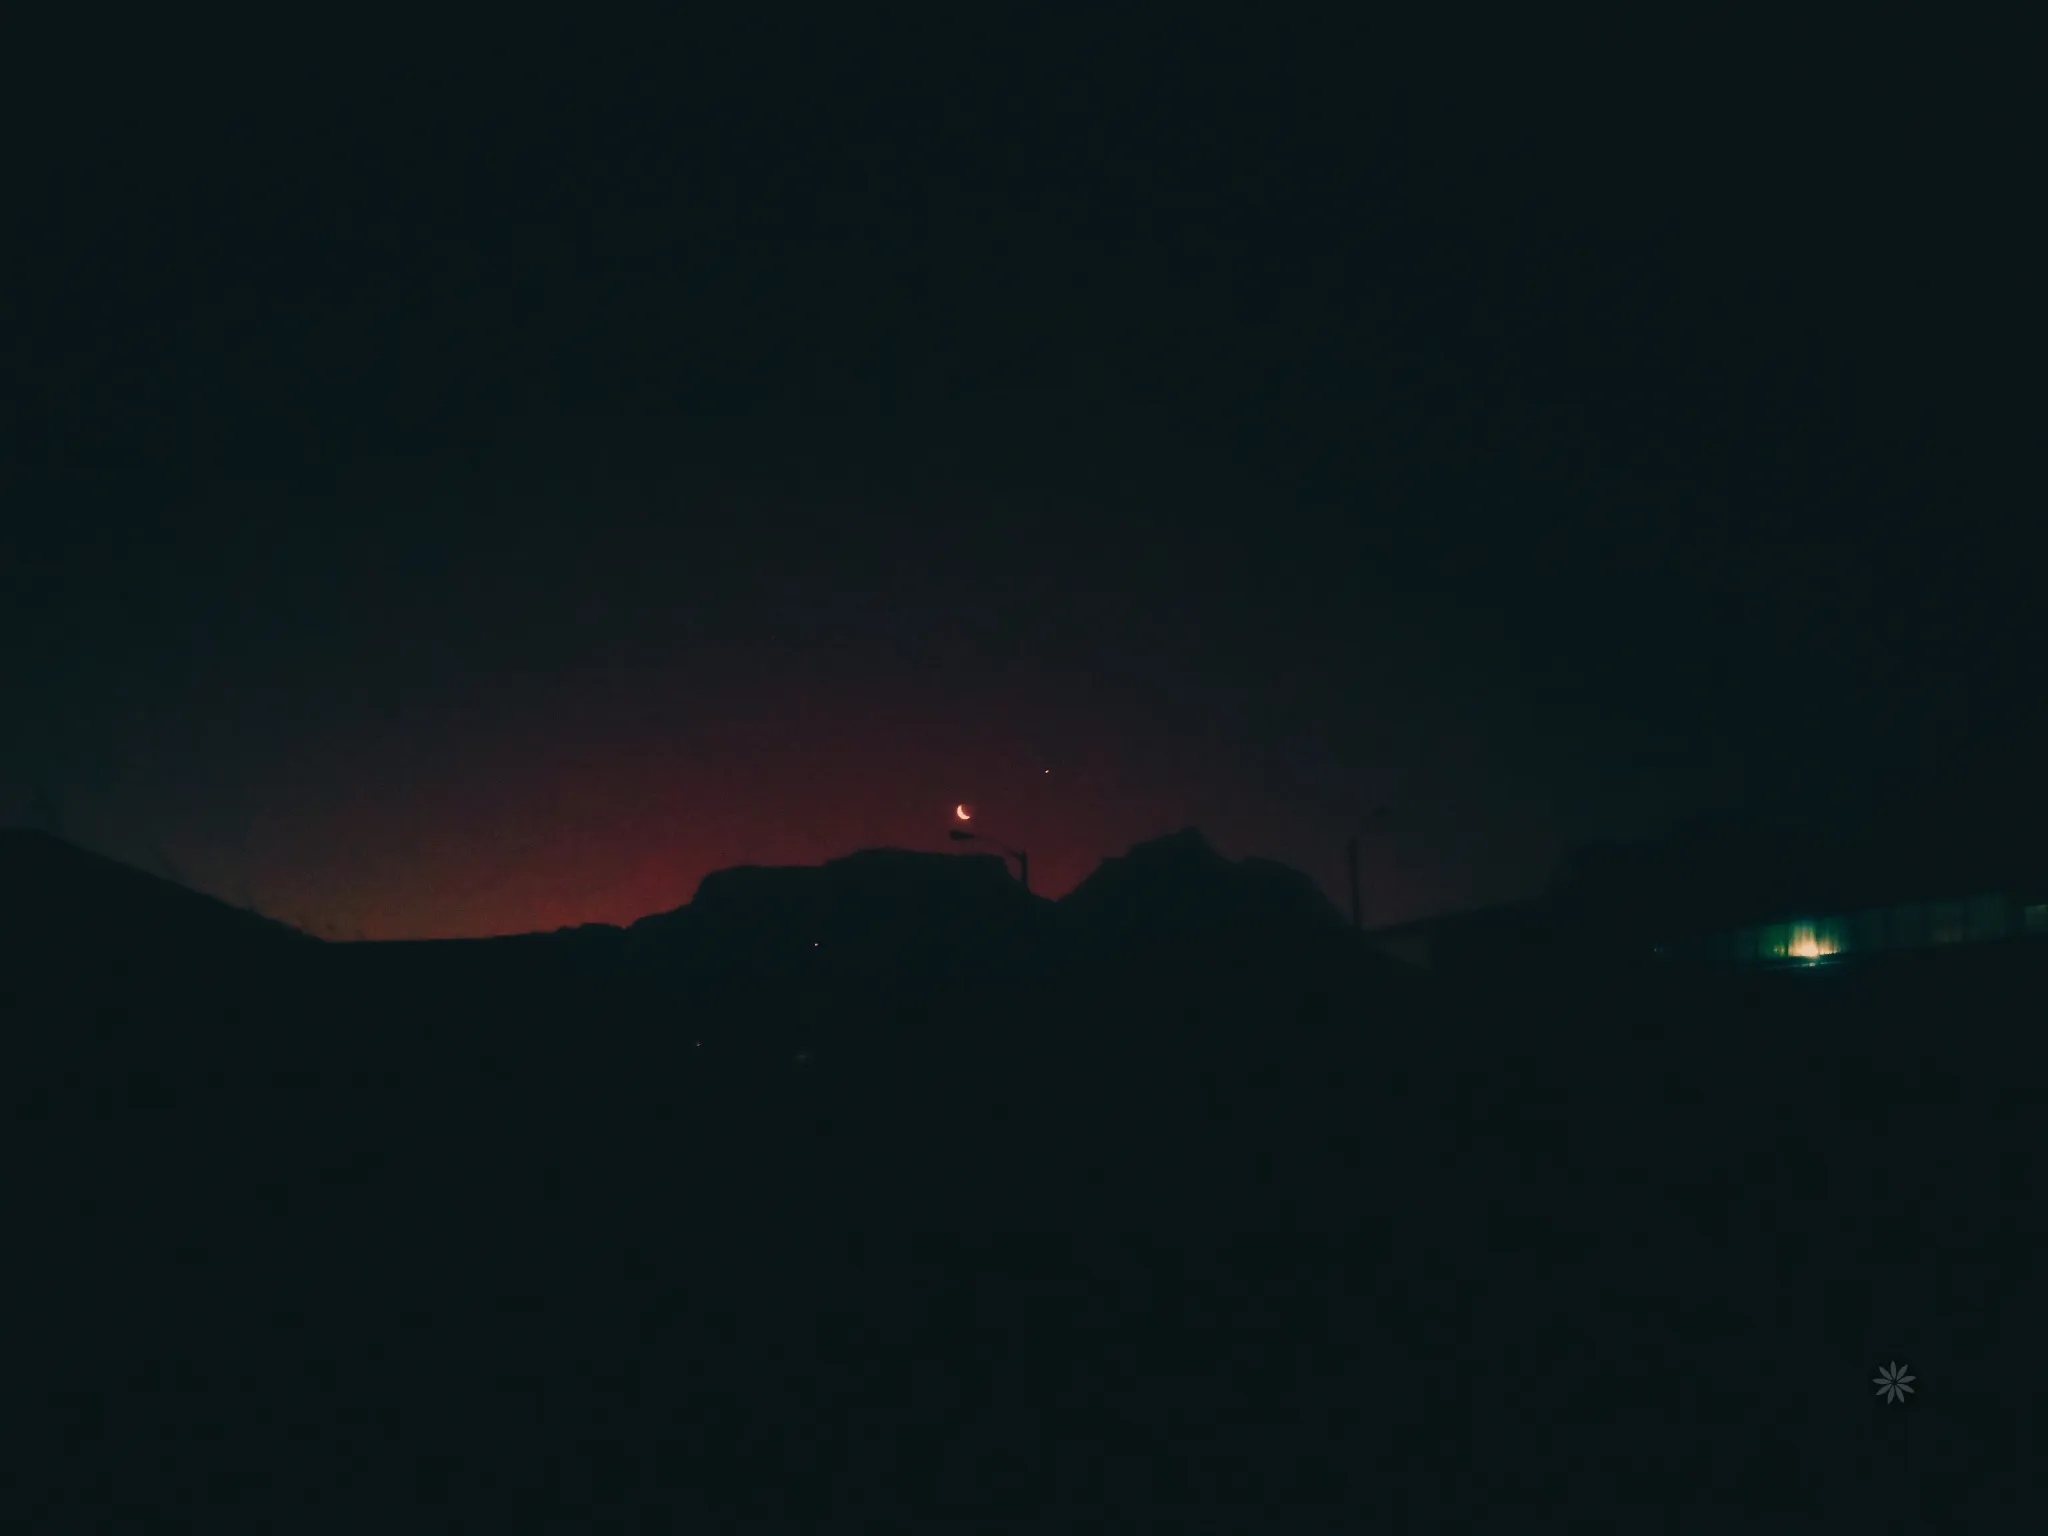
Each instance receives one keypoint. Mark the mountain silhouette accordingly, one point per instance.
(60, 901)
(888, 917)
(881, 913)
(1179, 883)
(889, 914)
(87, 938)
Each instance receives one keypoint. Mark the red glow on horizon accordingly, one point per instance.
(575, 803)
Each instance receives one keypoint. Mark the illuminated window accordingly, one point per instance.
(1774, 941)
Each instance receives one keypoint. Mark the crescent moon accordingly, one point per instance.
(961, 812)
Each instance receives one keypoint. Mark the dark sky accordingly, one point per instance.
(486, 488)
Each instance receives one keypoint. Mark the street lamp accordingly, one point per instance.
(962, 835)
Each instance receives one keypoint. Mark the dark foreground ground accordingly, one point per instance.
(1243, 1241)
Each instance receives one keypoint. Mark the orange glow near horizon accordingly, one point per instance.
(574, 803)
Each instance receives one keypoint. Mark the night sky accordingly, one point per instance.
(487, 489)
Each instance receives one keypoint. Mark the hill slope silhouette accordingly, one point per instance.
(54, 891)
(73, 919)
(1179, 883)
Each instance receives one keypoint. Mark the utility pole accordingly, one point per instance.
(961, 835)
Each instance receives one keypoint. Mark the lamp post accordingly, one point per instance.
(962, 835)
